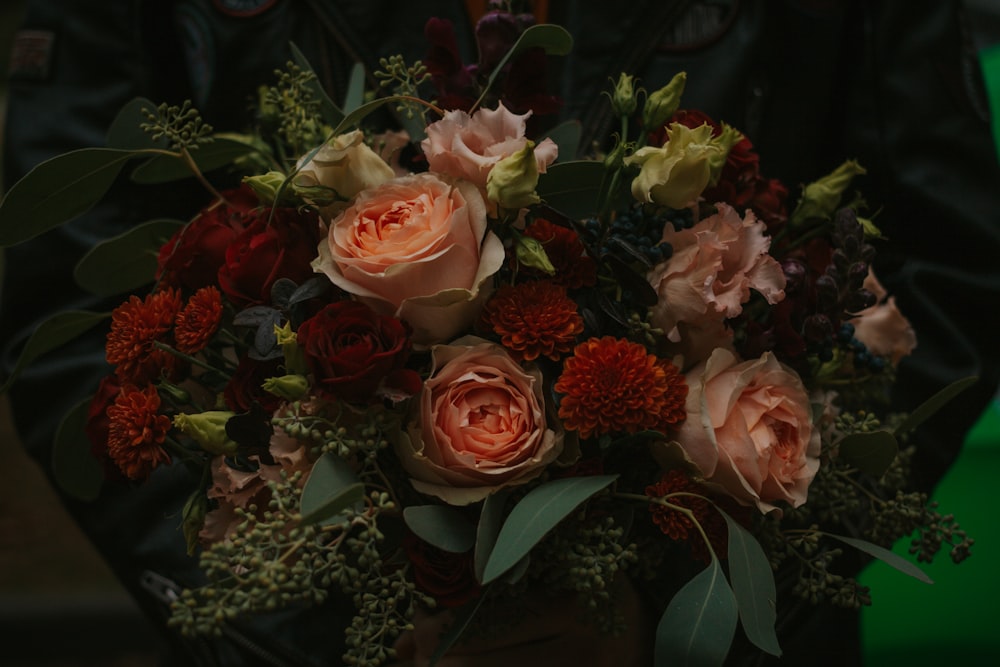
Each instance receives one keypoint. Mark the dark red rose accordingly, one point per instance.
(192, 257)
(244, 388)
(352, 351)
(447, 577)
(574, 267)
(270, 248)
(97, 425)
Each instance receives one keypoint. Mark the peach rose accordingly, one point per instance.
(749, 429)
(416, 247)
(346, 165)
(712, 269)
(468, 147)
(883, 329)
(480, 424)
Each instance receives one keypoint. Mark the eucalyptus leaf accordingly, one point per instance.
(888, 557)
(462, 617)
(699, 624)
(76, 471)
(166, 168)
(126, 130)
(125, 262)
(442, 526)
(535, 515)
(566, 136)
(934, 403)
(329, 111)
(490, 521)
(52, 333)
(872, 452)
(332, 487)
(357, 115)
(58, 190)
(355, 95)
(572, 188)
(753, 584)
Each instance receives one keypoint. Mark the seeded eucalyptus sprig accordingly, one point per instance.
(291, 107)
(405, 81)
(181, 125)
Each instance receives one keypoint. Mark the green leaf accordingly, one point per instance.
(126, 131)
(872, 453)
(934, 403)
(74, 468)
(332, 487)
(166, 168)
(537, 513)
(355, 95)
(462, 618)
(55, 331)
(888, 557)
(357, 115)
(567, 137)
(572, 188)
(490, 521)
(699, 624)
(554, 39)
(331, 114)
(59, 190)
(442, 526)
(125, 262)
(753, 584)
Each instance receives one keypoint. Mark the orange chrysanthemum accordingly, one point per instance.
(198, 321)
(136, 432)
(135, 326)
(611, 384)
(534, 319)
(574, 267)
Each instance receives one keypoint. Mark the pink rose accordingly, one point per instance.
(468, 147)
(713, 267)
(883, 329)
(480, 425)
(417, 248)
(749, 429)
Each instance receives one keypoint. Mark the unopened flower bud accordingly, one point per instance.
(208, 429)
(662, 104)
(512, 181)
(265, 186)
(821, 198)
(623, 98)
(530, 252)
(295, 360)
(289, 387)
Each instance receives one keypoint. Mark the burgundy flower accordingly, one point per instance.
(192, 257)
(270, 248)
(352, 351)
(98, 425)
(244, 388)
(447, 577)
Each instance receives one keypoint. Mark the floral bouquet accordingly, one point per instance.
(443, 366)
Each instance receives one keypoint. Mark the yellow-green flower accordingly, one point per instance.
(678, 172)
(208, 429)
(512, 181)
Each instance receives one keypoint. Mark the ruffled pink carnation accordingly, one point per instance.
(883, 328)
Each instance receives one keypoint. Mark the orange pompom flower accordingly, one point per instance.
(135, 326)
(534, 319)
(136, 432)
(612, 384)
(198, 321)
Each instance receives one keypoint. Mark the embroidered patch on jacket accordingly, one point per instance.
(243, 8)
(701, 25)
(31, 55)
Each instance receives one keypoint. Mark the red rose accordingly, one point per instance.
(244, 388)
(447, 577)
(270, 248)
(351, 351)
(192, 257)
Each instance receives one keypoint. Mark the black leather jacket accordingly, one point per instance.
(812, 82)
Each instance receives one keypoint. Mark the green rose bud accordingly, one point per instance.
(821, 198)
(662, 104)
(288, 387)
(530, 252)
(512, 181)
(623, 98)
(208, 429)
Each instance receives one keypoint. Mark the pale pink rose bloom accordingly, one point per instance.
(749, 430)
(416, 247)
(480, 424)
(883, 328)
(346, 164)
(468, 147)
(713, 267)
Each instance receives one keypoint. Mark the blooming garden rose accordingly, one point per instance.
(479, 425)
(346, 165)
(418, 248)
(749, 429)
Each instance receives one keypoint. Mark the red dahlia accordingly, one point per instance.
(198, 321)
(136, 326)
(136, 432)
(612, 384)
(534, 319)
